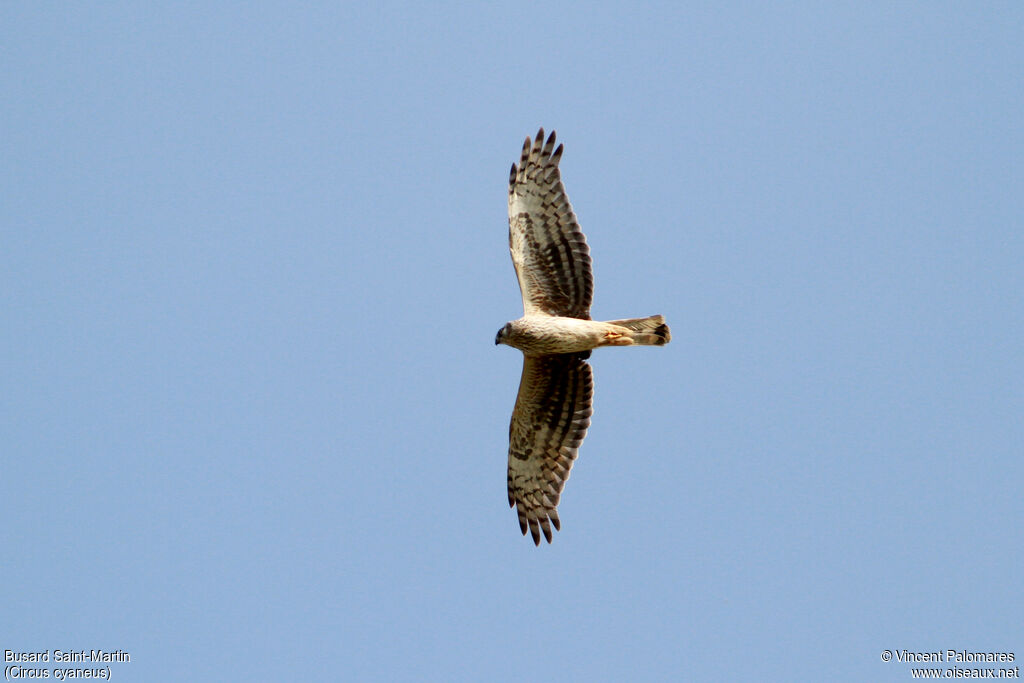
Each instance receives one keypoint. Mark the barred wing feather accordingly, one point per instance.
(549, 250)
(549, 422)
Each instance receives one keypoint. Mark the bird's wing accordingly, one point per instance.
(550, 419)
(548, 248)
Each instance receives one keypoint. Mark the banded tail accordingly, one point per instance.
(651, 331)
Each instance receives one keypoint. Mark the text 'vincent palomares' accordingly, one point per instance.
(953, 656)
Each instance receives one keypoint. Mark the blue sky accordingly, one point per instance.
(253, 259)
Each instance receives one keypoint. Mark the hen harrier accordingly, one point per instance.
(555, 334)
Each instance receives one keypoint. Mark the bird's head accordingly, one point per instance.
(503, 334)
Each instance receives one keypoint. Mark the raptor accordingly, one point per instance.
(555, 334)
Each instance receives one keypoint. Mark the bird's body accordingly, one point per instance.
(555, 334)
(549, 334)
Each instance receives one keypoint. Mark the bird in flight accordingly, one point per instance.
(555, 334)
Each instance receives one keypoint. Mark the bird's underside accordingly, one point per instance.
(555, 334)
(548, 334)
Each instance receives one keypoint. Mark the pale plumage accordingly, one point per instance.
(555, 334)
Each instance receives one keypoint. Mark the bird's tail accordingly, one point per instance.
(651, 331)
